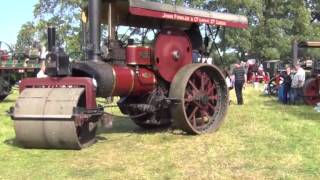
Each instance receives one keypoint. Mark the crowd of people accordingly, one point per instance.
(291, 87)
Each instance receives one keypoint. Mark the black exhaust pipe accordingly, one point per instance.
(51, 38)
(295, 50)
(94, 29)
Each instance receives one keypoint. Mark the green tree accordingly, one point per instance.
(65, 15)
(26, 36)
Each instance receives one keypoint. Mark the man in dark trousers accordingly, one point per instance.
(240, 78)
(287, 84)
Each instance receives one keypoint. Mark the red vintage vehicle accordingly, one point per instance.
(158, 85)
(311, 89)
(256, 73)
(4, 55)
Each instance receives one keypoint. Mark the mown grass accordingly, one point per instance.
(260, 140)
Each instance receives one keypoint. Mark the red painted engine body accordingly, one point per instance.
(144, 66)
(65, 82)
(132, 81)
(138, 55)
(172, 51)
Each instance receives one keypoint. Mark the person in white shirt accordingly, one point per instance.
(41, 73)
(296, 91)
(43, 53)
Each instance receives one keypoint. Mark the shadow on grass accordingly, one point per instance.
(8, 101)
(125, 125)
(13, 142)
(120, 125)
(295, 110)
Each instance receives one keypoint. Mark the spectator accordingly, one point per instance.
(239, 74)
(297, 83)
(41, 73)
(196, 41)
(43, 53)
(228, 79)
(286, 84)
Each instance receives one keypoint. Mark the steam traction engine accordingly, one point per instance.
(158, 85)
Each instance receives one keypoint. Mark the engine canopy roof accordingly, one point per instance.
(154, 15)
(309, 44)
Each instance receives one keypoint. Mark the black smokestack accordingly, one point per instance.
(94, 29)
(51, 38)
(295, 50)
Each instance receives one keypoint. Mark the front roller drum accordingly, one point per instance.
(202, 98)
(45, 118)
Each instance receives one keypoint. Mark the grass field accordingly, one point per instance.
(260, 140)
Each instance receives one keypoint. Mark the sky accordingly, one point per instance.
(14, 13)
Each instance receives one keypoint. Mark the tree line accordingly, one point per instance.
(273, 25)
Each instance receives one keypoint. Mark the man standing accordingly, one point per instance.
(195, 37)
(286, 84)
(296, 92)
(239, 75)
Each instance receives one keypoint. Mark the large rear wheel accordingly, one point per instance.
(202, 96)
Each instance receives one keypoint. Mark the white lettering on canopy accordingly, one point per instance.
(195, 19)
(168, 16)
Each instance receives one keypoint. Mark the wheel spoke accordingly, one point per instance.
(211, 107)
(193, 86)
(204, 84)
(213, 98)
(205, 117)
(197, 103)
(211, 88)
(192, 116)
(189, 97)
(194, 123)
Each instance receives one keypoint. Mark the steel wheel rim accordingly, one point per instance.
(200, 100)
(196, 119)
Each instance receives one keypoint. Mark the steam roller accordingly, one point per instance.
(158, 84)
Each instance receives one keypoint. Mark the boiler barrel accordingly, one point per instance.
(116, 80)
(129, 81)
